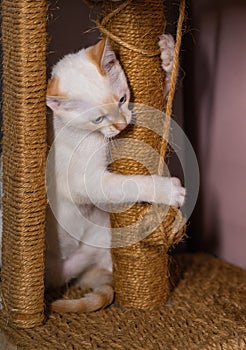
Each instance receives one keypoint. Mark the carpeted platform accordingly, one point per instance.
(207, 310)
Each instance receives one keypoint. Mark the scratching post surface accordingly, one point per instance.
(140, 269)
(205, 311)
(24, 151)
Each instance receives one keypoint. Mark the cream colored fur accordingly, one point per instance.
(85, 86)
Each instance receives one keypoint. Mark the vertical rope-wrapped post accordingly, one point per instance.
(24, 154)
(140, 269)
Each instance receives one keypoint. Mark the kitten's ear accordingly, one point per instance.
(108, 59)
(54, 99)
(53, 87)
(60, 103)
(54, 102)
(102, 55)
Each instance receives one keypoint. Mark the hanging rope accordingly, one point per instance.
(117, 39)
(169, 104)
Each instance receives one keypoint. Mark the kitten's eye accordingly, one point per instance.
(99, 120)
(122, 100)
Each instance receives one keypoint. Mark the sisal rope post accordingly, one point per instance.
(24, 154)
(140, 269)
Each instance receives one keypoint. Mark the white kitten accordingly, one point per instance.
(89, 96)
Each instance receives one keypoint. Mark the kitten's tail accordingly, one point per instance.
(101, 296)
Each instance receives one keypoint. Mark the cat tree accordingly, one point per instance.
(185, 321)
(141, 269)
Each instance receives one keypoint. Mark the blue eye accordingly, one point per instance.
(99, 120)
(122, 100)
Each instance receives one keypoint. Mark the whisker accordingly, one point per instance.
(134, 118)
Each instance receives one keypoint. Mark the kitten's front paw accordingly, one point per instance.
(169, 191)
(167, 45)
(177, 193)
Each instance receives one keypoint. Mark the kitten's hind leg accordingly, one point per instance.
(167, 45)
(102, 294)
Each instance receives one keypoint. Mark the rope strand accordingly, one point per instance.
(169, 104)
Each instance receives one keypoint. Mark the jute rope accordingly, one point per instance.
(207, 311)
(117, 39)
(141, 269)
(169, 105)
(24, 151)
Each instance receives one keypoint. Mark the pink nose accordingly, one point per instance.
(120, 126)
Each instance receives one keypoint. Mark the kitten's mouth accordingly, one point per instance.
(117, 128)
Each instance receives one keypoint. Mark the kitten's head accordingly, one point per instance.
(88, 89)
